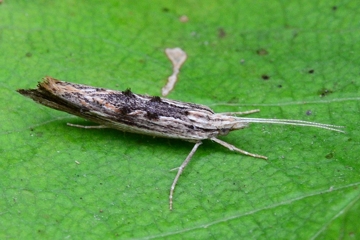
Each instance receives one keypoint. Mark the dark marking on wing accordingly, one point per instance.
(125, 110)
(128, 93)
(155, 99)
(152, 115)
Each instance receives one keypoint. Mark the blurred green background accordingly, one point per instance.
(291, 59)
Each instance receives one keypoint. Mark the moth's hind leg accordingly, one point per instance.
(241, 113)
(233, 148)
(87, 127)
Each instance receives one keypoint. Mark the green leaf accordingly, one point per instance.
(291, 59)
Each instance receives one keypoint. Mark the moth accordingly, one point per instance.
(154, 116)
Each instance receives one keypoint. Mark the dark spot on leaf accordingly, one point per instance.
(165, 9)
(334, 8)
(324, 92)
(330, 155)
(262, 52)
(39, 134)
(265, 77)
(311, 71)
(279, 86)
(233, 100)
(221, 33)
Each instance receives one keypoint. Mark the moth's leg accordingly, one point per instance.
(240, 113)
(87, 127)
(181, 169)
(233, 148)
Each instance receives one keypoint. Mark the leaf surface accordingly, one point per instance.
(291, 59)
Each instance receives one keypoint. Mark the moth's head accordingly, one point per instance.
(225, 130)
(225, 123)
(239, 125)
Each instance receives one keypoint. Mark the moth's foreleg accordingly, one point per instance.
(180, 170)
(87, 127)
(233, 148)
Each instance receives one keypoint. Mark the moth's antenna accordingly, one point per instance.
(291, 122)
